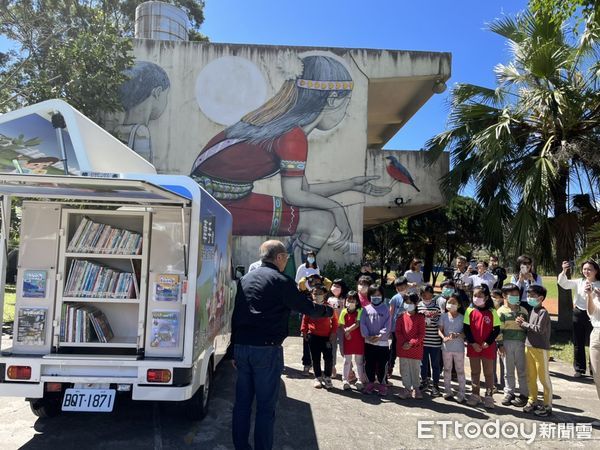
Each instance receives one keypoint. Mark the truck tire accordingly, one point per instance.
(196, 407)
(45, 408)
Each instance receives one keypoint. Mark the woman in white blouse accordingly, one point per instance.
(593, 309)
(414, 274)
(582, 327)
(308, 266)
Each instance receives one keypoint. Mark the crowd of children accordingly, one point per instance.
(429, 335)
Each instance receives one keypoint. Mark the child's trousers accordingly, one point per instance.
(458, 359)
(410, 372)
(537, 368)
(376, 360)
(514, 358)
(320, 345)
(359, 360)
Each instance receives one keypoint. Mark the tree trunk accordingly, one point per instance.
(428, 261)
(564, 249)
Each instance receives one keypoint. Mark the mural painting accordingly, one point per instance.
(273, 140)
(144, 97)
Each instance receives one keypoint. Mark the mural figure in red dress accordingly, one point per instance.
(273, 139)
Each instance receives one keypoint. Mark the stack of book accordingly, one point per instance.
(91, 280)
(78, 321)
(93, 237)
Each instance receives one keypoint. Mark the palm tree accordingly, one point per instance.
(521, 142)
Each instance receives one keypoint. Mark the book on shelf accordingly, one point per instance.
(95, 237)
(91, 280)
(84, 323)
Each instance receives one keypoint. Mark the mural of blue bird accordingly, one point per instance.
(399, 173)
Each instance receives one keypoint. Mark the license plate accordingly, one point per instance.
(92, 400)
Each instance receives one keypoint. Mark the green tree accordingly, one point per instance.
(521, 142)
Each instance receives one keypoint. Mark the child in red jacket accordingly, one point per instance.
(410, 332)
(320, 334)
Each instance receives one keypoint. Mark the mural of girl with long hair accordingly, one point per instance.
(273, 139)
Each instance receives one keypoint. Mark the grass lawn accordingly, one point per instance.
(10, 298)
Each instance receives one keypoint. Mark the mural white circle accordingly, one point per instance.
(228, 88)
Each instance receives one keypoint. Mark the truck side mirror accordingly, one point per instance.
(239, 272)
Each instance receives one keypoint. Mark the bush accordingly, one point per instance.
(347, 273)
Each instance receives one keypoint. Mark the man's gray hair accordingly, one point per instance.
(270, 249)
(462, 258)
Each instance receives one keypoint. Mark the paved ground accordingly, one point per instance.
(308, 418)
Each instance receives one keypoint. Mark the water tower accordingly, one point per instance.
(161, 21)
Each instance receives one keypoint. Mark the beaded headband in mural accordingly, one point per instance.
(325, 85)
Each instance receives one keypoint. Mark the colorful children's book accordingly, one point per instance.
(167, 287)
(165, 329)
(34, 283)
(31, 329)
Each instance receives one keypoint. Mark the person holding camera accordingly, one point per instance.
(525, 278)
(582, 326)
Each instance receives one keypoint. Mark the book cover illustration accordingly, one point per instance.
(32, 326)
(167, 287)
(34, 283)
(165, 329)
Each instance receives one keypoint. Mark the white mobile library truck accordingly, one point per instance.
(124, 281)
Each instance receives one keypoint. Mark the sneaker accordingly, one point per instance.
(488, 402)
(435, 391)
(369, 389)
(543, 411)
(424, 384)
(383, 390)
(520, 401)
(306, 370)
(508, 399)
(327, 384)
(448, 397)
(346, 386)
(359, 385)
(317, 384)
(530, 407)
(417, 394)
(474, 400)
(577, 374)
(495, 390)
(403, 394)
(596, 424)
(460, 398)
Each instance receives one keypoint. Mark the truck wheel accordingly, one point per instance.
(45, 408)
(196, 407)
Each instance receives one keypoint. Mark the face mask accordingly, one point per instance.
(409, 307)
(336, 291)
(447, 292)
(310, 259)
(533, 302)
(363, 289)
(351, 307)
(452, 307)
(514, 299)
(479, 301)
(376, 300)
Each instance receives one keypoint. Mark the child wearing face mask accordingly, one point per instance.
(354, 343)
(511, 346)
(432, 353)
(448, 288)
(363, 290)
(453, 347)
(375, 324)
(320, 334)
(337, 300)
(537, 346)
(410, 333)
(481, 328)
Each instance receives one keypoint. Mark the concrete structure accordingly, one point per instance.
(288, 138)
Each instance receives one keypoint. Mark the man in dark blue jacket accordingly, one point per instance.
(263, 304)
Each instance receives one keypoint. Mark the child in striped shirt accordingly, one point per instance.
(432, 350)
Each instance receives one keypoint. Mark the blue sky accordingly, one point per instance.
(458, 27)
